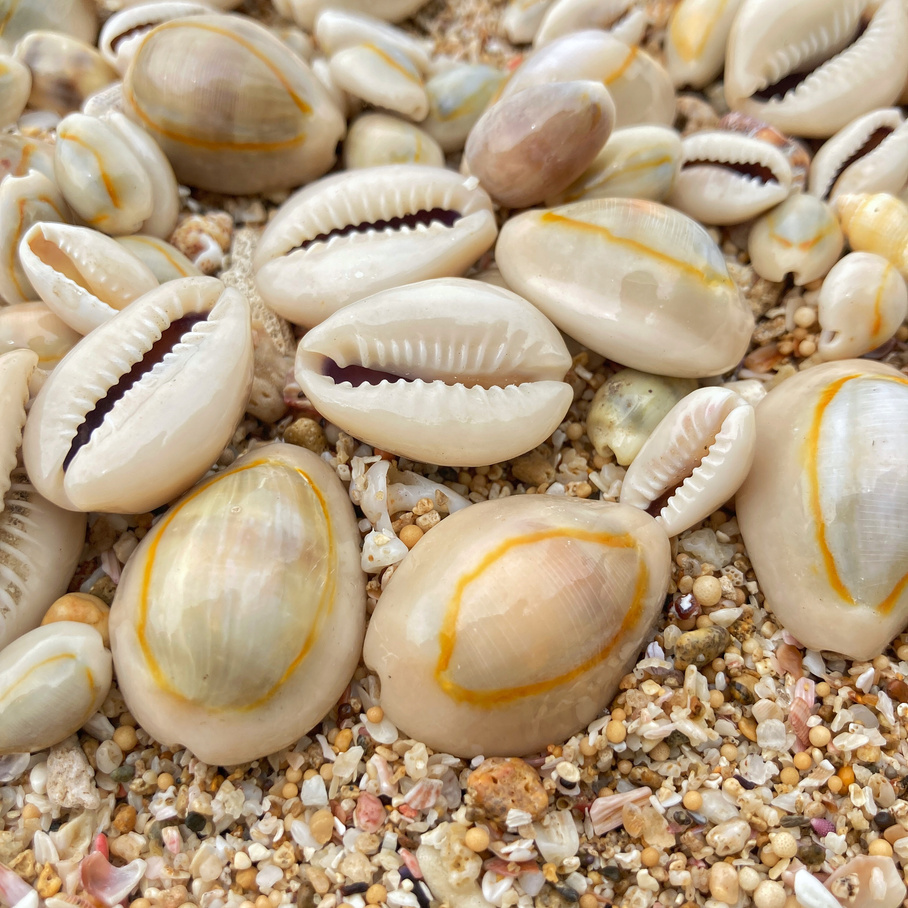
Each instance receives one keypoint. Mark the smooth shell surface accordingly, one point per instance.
(156, 393)
(695, 40)
(511, 624)
(52, 681)
(636, 281)
(823, 509)
(375, 139)
(449, 371)
(873, 222)
(239, 618)
(34, 327)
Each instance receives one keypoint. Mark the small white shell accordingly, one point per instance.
(53, 679)
(156, 393)
(84, 276)
(521, 19)
(349, 235)
(566, 16)
(238, 620)
(728, 178)
(696, 38)
(449, 371)
(376, 139)
(699, 455)
(801, 236)
(861, 304)
(510, 624)
(15, 87)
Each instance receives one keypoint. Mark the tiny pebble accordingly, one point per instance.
(707, 590)
(770, 894)
(723, 882)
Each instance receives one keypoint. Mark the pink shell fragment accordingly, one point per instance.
(369, 813)
(109, 884)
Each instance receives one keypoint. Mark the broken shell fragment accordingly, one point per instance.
(512, 622)
(377, 139)
(232, 107)
(238, 620)
(874, 222)
(352, 234)
(867, 881)
(728, 178)
(539, 140)
(640, 283)
(626, 409)
(822, 508)
(52, 681)
(800, 237)
(134, 399)
(450, 371)
(695, 460)
(696, 38)
(860, 306)
(84, 276)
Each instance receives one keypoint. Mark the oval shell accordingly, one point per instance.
(695, 40)
(512, 622)
(376, 139)
(238, 620)
(52, 681)
(823, 508)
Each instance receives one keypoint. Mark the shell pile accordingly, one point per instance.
(604, 298)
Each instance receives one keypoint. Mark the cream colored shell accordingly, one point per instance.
(34, 327)
(375, 139)
(52, 681)
(16, 367)
(166, 262)
(233, 108)
(20, 154)
(84, 276)
(637, 282)
(238, 620)
(872, 222)
(616, 16)
(861, 304)
(846, 75)
(823, 509)
(15, 87)
(336, 29)
(75, 17)
(696, 38)
(512, 622)
(449, 371)
(352, 234)
(143, 406)
(305, 12)
(522, 18)
(698, 456)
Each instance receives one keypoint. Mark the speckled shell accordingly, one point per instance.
(482, 372)
(52, 681)
(638, 282)
(352, 234)
(695, 40)
(847, 77)
(15, 87)
(800, 237)
(139, 399)
(271, 127)
(860, 306)
(823, 509)
(639, 86)
(698, 455)
(376, 139)
(238, 620)
(512, 622)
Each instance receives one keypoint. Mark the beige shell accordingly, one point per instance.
(457, 98)
(637, 162)
(233, 108)
(305, 12)
(156, 393)
(522, 18)
(114, 175)
(868, 155)
(15, 87)
(352, 234)
(695, 460)
(74, 17)
(874, 222)
(166, 262)
(851, 51)
(800, 237)
(616, 16)
(376, 139)
(449, 371)
(860, 306)
(238, 620)
(52, 681)
(729, 178)
(84, 276)
(637, 282)
(20, 154)
(33, 326)
(24, 201)
(16, 368)
(512, 622)
(538, 141)
(639, 86)
(65, 70)
(695, 40)
(822, 509)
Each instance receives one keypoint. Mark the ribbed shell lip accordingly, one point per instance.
(16, 368)
(136, 395)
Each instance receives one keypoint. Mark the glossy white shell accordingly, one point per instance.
(823, 508)
(105, 419)
(239, 618)
(15, 86)
(52, 681)
(637, 282)
(482, 372)
(375, 139)
(695, 40)
(512, 622)
(873, 222)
